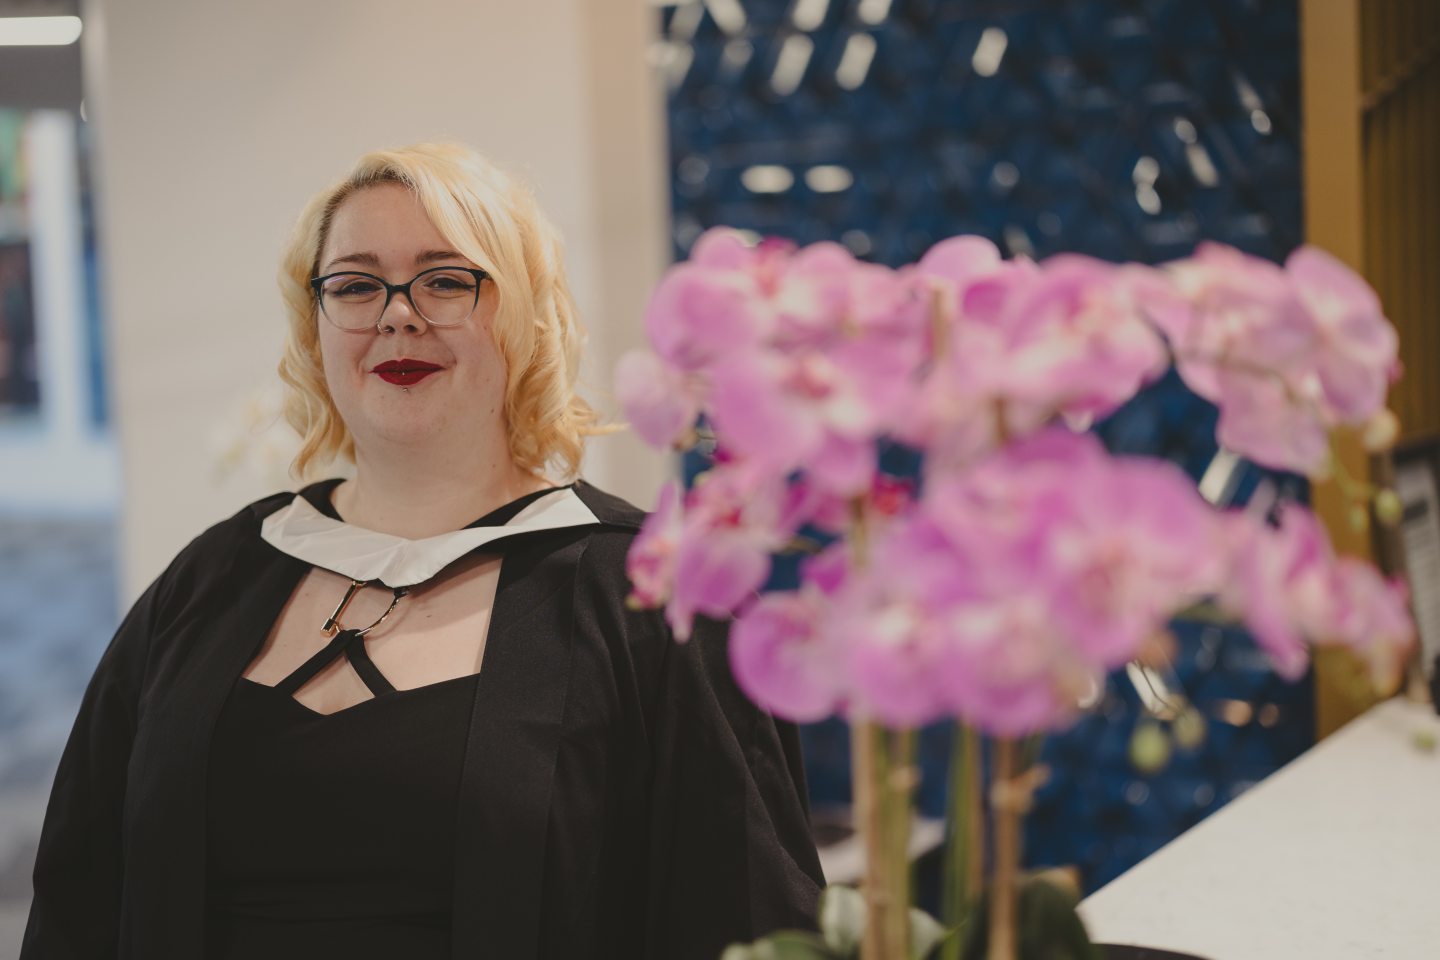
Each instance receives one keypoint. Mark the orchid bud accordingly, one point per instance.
(1189, 729)
(1149, 747)
(1388, 509)
(1380, 432)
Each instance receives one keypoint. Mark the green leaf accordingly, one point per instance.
(925, 933)
(842, 919)
(797, 945)
(1049, 927)
(782, 945)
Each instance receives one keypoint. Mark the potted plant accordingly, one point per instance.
(1026, 562)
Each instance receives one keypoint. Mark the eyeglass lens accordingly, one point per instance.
(443, 297)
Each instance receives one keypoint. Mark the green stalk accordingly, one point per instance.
(900, 781)
(965, 856)
(883, 778)
(1002, 931)
(974, 786)
(867, 763)
(870, 783)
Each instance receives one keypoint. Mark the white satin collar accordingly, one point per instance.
(305, 533)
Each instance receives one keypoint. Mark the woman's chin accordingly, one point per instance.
(404, 428)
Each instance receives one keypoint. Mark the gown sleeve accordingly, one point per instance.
(732, 857)
(75, 913)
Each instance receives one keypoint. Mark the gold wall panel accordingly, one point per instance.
(1370, 88)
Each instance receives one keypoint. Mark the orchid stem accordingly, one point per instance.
(1002, 939)
(975, 816)
(867, 765)
(870, 776)
(899, 782)
(966, 856)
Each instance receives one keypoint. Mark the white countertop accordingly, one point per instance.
(1336, 855)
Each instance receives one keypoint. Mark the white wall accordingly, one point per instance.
(217, 121)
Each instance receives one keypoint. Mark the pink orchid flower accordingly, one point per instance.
(1137, 545)
(1285, 354)
(731, 298)
(1356, 354)
(820, 400)
(1270, 421)
(1007, 672)
(785, 659)
(1243, 313)
(735, 517)
(1087, 348)
(1027, 343)
(969, 402)
(1371, 618)
(650, 564)
(1034, 561)
(1290, 588)
(1280, 583)
(889, 621)
(1120, 543)
(661, 403)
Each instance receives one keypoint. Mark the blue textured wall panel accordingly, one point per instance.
(1128, 130)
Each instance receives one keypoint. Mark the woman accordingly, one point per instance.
(359, 722)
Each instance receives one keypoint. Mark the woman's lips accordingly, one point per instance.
(406, 377)
(403, 373)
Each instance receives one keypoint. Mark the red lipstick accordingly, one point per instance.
(404, 372)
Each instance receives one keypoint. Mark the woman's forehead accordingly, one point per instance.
(385, 225)
(381, 210)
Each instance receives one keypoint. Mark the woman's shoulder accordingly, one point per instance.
(241, 524)
(206, 563)
(609, 541)
(215, 546)
(613, 512)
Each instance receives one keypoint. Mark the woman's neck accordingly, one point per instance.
(417, 496)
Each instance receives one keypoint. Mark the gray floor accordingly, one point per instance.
(57, 612)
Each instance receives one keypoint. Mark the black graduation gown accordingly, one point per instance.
(620, 797)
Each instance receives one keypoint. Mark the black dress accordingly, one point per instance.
(334, 835)
(616, 795)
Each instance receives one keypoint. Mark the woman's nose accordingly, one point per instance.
(399, 314)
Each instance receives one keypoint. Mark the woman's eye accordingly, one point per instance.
(445, 283)
(354, 289)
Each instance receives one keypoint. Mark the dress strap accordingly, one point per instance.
(365, 667)
(351, 643)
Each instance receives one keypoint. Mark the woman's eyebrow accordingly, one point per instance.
(368, 259)
(435, 256)
(364, 259)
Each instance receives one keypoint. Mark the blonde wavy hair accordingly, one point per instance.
(494, 221)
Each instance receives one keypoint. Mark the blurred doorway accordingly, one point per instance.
(59, 476)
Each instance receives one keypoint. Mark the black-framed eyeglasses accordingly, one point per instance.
(443, 296)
